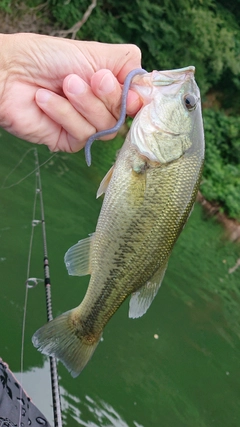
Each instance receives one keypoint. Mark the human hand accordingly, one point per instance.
(59, 92)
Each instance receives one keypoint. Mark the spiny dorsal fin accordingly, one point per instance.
(104, 183)
(78, 258)
(141, 300)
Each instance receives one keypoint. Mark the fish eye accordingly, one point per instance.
(190, 102)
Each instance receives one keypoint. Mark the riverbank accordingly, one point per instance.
(232, 226)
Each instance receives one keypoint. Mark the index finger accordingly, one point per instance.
(120, 59)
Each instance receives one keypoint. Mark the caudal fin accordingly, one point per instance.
(61, 338)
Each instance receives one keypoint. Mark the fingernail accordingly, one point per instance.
(108, 83)
(76, 86)
(43, 95)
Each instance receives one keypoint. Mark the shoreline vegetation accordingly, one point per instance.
(216, 58)
(232, 226)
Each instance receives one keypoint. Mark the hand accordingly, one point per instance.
(59, 92)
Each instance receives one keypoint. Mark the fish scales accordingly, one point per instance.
(151, 248)
(149, 195)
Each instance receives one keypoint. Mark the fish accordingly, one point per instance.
(149, 195)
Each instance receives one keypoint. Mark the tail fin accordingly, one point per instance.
(61, 338)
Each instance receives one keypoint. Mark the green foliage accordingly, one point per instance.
(5, 5)
(171, 34)
(174, 34)
(9, 6)
(221, 176)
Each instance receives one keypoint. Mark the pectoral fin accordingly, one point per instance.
(141, 300)
(78, 258)
(104, 183)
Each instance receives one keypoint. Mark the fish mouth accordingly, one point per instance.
(169, 77)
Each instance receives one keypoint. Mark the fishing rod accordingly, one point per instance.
(57, 413)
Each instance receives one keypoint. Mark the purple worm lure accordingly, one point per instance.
(121, 119)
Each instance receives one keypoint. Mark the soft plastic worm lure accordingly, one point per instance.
(121, 119)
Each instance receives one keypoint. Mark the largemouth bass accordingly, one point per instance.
(149, 195)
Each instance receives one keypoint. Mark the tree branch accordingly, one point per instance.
(76, 27)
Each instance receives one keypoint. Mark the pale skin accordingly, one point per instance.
(59, 92)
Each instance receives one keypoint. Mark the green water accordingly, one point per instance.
(189, 376)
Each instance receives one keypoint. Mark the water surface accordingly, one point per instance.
(178, 365)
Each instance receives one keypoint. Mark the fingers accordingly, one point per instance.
(119, 58)
(86, 109)
(112, 99)
(107, 88)
(96, 111)
(59, 109)
(80, 115)
(100, 103)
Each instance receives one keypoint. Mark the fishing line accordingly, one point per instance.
(26, 176)
(32, 282)
(15, 167)
(53, 363)
(26, 288)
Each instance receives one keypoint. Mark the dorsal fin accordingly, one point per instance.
(104, 183)
(78, 258)
(141, 300)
